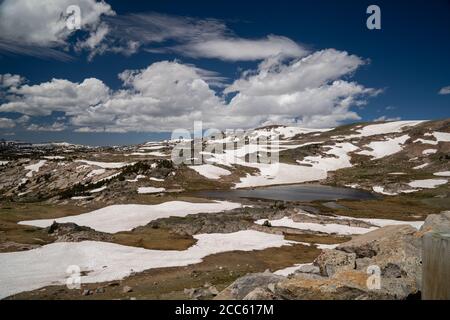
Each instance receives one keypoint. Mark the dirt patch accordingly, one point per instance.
(154, 238)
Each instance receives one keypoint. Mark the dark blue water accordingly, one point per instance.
(298, 192)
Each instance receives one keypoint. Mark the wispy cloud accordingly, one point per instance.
(445, 90)
(43, 33)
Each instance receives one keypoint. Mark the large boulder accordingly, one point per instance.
(261, 293)
(329, 261)
(437, 222)
(343, 285)
(244, 285)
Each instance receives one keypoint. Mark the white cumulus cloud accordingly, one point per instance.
(312, 91)
(39, 27)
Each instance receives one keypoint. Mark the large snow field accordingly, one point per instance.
(125, 217)
(47, 265)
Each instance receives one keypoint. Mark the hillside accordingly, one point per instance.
(120, 212)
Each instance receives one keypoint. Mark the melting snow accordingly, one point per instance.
(427, 183)
(80, 198)
(291, 270)
(106, 165)
(95, 172)
(144, 190)
(384, 128)
(382, 149)
(441, 136)
(157, 154)
(433, 142)
(102, 261)
(139, 176)
(125, 217)
(209, 171)
(318, 227)
(429, 151)
(380, 189)
(421, 166)
(442, 174)
(152, 148)
(34, 168)
(98, 190)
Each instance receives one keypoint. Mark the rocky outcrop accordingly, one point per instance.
(71, 232)
(11, 246)
(243, 286)
(351, 271)
(437, 222)
(382, 264)
(330, 261)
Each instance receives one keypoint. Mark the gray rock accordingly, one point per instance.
(244, 285)
(86, 292)
(309, 268)
(260, 294)
(437, 222)
(329, 261)
(100, 290)
(127, 289)
(213, 290)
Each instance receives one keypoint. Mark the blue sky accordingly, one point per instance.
(229, 63)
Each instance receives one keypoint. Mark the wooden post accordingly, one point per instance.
(436, 266)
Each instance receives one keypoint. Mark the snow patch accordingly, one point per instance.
(442, 174)
(145, 190)
(98, 189)
(329, 228)
(34, 168)
(210, 171)
(125, 217)
(421, 166)
(429, 151)
(103, 261)
(380, 189)
(384, 128)
(427, 183)
(106, 165)
(441, 136)
(382, 149)
(291, 270)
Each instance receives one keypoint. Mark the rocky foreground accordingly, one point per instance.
(346, 272)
